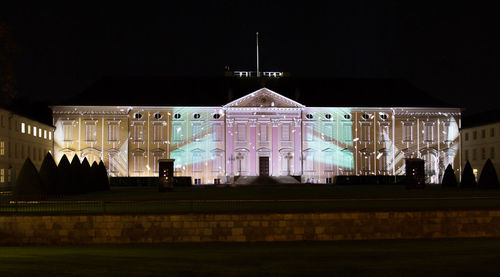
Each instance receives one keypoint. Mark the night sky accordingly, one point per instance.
(450, 51)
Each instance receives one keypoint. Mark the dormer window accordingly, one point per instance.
(137, 116)
(347, 116)
(365, 116)
(157, 116)
(328, 116)
(196, 116)
(177, 116)
(216, 116)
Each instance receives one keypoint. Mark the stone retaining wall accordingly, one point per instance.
(85, 229)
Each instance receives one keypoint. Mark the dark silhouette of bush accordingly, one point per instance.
(103, 177)
(468, 178)
(449, 178)
(488, 177)
(76, 175)
(64, 174)
(85, 173)
(49, 176)
(94, 176)
(28, 185)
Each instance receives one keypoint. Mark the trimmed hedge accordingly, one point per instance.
(449, 178)
(28, 184)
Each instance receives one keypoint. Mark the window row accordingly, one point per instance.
(482, 133)
(484, 152)
(36, 131)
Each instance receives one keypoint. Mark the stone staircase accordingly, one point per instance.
(265, 180)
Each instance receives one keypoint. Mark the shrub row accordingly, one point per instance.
(487, 179)
(67, 178)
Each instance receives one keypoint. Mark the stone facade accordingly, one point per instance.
(88, 229)
(21, 138)
(260, 133)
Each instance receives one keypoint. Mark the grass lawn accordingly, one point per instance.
(264, 199)
(443, 257)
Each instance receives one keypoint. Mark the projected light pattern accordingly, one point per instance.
(210, 143)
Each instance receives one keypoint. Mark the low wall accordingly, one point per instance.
(84, 229)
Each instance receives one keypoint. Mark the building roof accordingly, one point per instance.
(34, 110)
(218, 91)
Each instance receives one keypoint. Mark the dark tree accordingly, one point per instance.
(63, 171)
(488, 177)
(85, 173)
(49, 176)
(449, 178)
(76, 175)
(28, 185)
(94, 176)
(103, 177)
(468, 178)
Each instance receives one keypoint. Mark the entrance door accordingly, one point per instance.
(264, 166)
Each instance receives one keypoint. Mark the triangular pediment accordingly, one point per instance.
(264, 98)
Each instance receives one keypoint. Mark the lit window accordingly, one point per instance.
(34, 131)
(45, 134)
(39, 132)
(50, 135)
(2, 175)
(217, 132)
(241, 132)
(23, 128)
(29, 129)
(2, 148)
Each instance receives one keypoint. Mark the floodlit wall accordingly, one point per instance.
(213, 144)
(20, 138)
(479, 144)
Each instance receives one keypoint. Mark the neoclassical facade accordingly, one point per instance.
(262, 133)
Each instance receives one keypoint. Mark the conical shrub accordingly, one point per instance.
(449, 178)
(76, 175)
(64, 174)
(103, 177)
(28, 185)
(468, 178)
(85, 173)
(94, 176)
(49, 176)
(488, 177)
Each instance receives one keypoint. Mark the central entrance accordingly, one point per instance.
(264, 166)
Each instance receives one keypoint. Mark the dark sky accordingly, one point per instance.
(450, 51)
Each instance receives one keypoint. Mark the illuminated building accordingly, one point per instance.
(261, 131)
(481, 140)
(21, 137)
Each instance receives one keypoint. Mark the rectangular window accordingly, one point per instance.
(328, 132)
(196, 131)
(90, 130)
(2, 148)
(285, 131)
(217, 132)
(492, 153)
(241, 130)
(483, 133)
(177, 132)
(158, 131)
(492, 132)
(29, 129)
(466, 136)
(50, 135)
(466, 155)
(39, 132)
(309, 161)
(2, 175)
(474, 154)
(138, 161)
(408, 131)
(366, 129)
(309, 131)
(347, 131)
(429, 131)
(263, 136)
(68, 131)
(23, 128)
(34, 131)
(483, 154)
(113, 131)
(474, 135)
(197, 162)
(113, 162)
(45, 134)
(156, 157)
(384, 132)
(138, 131)
(217, 164)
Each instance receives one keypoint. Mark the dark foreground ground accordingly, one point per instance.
(443, 257)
